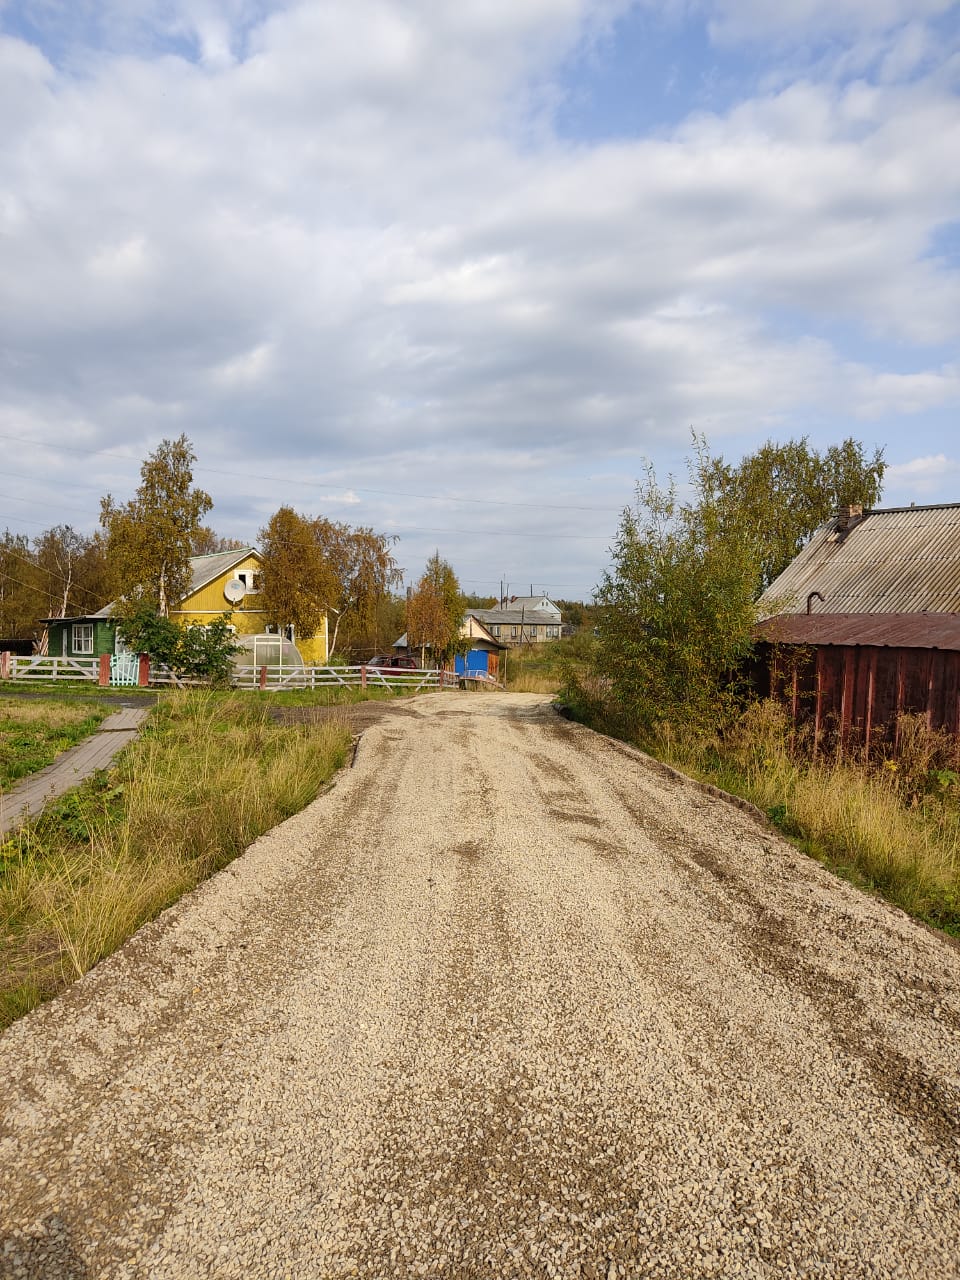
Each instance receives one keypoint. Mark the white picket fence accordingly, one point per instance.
(249, 677)
(43, 668)
(360, 677)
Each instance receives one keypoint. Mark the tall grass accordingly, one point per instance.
(885, 825)
(208, 775)
(546, 667)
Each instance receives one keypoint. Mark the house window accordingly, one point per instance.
(495, 630)
(553, 633)
(82, 638)
(533, 632)
(513, 633)
(251, 580)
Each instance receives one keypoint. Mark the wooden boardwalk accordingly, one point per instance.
(27, 798)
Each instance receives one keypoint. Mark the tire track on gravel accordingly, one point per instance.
(509, 1001)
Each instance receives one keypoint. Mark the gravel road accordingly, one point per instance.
(510, 1000)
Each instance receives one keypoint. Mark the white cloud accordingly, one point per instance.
(125, 261)
(344, 241)
(923, 477)
(246, 369)
(887, 394)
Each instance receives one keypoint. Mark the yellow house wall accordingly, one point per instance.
(209, 602)
(314, 650)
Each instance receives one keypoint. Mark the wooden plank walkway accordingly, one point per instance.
(28, 797)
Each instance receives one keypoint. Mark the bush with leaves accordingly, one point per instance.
(204, 652)
(675, 610)
(196, 651)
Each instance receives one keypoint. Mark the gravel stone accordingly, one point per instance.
(510, 1000)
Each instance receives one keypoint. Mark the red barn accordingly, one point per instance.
(864, 624)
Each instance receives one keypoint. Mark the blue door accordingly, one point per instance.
(476, 661)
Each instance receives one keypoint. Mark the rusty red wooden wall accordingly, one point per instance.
(858, 691)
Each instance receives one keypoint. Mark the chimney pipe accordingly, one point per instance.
(849, 514)
(814, 595)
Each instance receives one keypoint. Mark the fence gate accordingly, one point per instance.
(125, 668)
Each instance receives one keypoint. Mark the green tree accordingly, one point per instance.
(783, 492)
(675, 610)
(297, 578)
(146, 631)
(21, 593)
(207, 542)
(360, 571)
(150, 538)
(204, 651)
(435, 611)
(72, 571)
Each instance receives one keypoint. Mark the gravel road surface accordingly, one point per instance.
(510, 1000)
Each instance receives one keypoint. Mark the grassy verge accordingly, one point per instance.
(208, 775)
(331, 696)
(546, 668)
(34, 731)
(88, 689)
(857, 820)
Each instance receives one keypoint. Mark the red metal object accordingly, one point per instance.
(263, 677)
(103, 670)
(857, 692)
(893, 630)
(363, 677)
(143, 672)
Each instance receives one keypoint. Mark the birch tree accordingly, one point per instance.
(435, 611)
(150, 538)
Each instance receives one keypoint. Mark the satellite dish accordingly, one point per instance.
(234, 590)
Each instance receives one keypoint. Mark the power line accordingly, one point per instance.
(57, 577)
(31, 502)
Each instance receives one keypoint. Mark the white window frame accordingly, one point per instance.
(81, 638)
(249, 578)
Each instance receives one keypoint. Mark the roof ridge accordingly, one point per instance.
(914, 506)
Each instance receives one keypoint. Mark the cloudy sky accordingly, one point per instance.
(454, 269)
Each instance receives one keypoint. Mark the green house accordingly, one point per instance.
(83, 637)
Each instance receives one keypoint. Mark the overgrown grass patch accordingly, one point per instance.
(852, 817)
(329, 696)
(207, 776)
(33, 732)
(545, 668)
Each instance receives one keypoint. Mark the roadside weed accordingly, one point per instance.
(208, 775)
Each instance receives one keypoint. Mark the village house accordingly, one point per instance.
(522, 620)
(864, 624)
(226, 581)
(483, 656)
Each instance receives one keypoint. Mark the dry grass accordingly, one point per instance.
(50, 713)
(527, 682)
(862, 821)
(33, 732)
(206, 778)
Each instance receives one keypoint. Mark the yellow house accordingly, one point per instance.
(230, 580)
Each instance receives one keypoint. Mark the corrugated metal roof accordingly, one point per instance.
(889, 630)
(902, 560)
(203, 569)
(514, 617)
